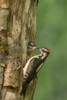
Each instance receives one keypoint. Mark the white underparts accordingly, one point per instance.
(28, 63)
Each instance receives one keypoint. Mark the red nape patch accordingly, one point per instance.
(48, 51)
(34, 43)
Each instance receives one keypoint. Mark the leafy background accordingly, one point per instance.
(52, 33)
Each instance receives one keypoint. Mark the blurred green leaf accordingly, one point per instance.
(52, 33)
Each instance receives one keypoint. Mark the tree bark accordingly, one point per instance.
(17, 28)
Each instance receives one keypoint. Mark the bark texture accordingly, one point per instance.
(17, 28)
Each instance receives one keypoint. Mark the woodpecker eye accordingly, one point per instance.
(45, 50)
(32, 43)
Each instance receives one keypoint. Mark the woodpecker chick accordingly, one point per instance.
(32, 67)
(31, 46)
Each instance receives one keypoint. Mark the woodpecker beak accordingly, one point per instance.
(37, 48)
(34, 48)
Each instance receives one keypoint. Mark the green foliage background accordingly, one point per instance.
(52, 33)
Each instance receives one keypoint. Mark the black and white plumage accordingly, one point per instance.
(31, 46)
(32, 67)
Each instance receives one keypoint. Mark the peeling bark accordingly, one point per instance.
(17, 28)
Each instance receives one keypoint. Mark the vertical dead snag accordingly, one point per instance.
(10, 29)
(17, 28)
(4, 15)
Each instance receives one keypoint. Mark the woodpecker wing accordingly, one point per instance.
(32, 67)
(39, 68)
(28, 74)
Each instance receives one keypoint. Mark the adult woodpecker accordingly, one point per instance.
(32, 67)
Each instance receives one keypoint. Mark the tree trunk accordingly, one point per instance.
(17, 28)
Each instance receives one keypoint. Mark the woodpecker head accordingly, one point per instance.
(44, 50)
(31, 46)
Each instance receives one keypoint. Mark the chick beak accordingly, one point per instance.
(34, 48)
(37, 48)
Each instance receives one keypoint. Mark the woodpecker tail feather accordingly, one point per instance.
(23, 92)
